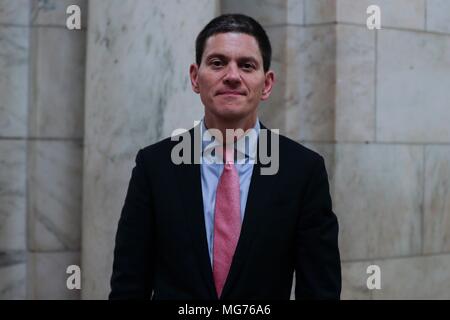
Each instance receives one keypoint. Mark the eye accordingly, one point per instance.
(216, 63)
(248, 66)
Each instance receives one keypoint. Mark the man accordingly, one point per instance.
(223, 230)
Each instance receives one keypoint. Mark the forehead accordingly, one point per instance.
(232, 44)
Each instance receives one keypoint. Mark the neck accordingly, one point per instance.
(222, 125)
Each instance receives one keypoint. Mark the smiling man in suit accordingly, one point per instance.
(217, 228)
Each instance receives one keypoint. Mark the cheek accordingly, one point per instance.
(205, 86)
(257, 86)
(257, 91)
(208, 78)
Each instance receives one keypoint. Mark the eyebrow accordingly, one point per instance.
(223, 57)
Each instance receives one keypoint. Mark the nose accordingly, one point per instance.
(232, 76)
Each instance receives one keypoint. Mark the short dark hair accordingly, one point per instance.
(238, 23)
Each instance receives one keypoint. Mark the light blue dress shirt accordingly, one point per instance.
(211, 172)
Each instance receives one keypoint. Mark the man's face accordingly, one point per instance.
(230, 79)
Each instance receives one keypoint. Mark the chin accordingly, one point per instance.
(232, 111)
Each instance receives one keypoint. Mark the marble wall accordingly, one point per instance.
(55, 148)
(14, 53)
(76, 106)
(41, 145)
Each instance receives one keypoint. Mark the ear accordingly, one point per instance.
(268, 85)
(193, 73)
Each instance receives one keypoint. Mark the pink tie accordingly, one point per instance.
(227, 221)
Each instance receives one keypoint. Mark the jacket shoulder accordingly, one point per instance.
(294, 150)
(156, 147)
(158, 152)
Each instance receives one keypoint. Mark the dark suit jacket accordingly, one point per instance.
(288, 225)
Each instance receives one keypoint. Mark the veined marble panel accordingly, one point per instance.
(413, 77)
(13, 81)
(15, 12)
(310, 82)
(378, 192)
(58, 76)
(12, 195)
(55, 187)
(320, 11)
(355, 84)
(12, 275)
(438, 16)
(267, 12)
(414, 278)
(437, 199)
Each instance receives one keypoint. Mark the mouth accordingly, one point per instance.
(230, 93)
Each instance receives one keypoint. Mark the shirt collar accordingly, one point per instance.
(245, 147)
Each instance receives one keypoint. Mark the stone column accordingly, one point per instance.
(137, 92)
(56, 111)
(41, 130)
(14, 52)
